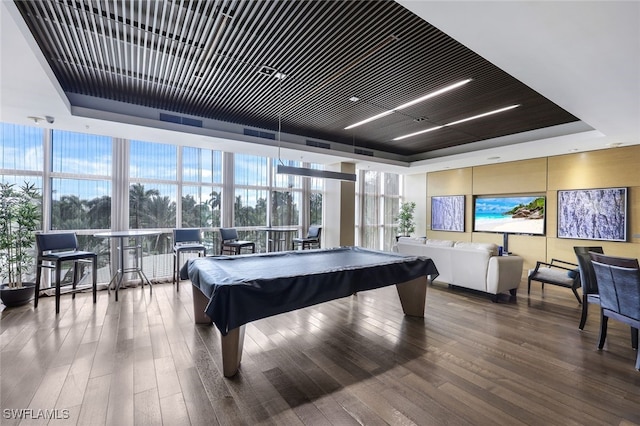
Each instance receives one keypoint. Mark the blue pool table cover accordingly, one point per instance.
(246, 288)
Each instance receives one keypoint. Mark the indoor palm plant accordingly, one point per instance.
(406, 224)
(19, 219)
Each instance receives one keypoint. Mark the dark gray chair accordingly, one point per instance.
(587, 280)
(185, 241)
(558, 272)
(56, 248)
(619, 287)
(231, 244)
(312, 240)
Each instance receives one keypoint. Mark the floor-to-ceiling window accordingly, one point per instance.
(377, 204)
(201, 193)
(21, 158)
(80, 181)
(92, 183)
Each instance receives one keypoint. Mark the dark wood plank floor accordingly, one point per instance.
(357, 360)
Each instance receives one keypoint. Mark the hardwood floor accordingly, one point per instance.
(356, 360)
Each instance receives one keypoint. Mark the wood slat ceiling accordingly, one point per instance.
(212, 59)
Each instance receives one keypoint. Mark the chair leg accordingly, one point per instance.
(174, 276)
(177, 270)
(58, 267)
(575, 293)
(634, 338)
(529, 286)
(583, 319)
(94, 273)
(603, 329)
(38, 277)
(74, 283)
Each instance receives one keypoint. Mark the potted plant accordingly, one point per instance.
(19, 220)
(406, 224)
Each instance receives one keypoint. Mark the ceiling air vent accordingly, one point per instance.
(317, 144)
(363, 152)
(169, 118)
(259, 134)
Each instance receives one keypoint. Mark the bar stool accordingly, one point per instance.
(56, 248)
(312, 240)
(185, 241)
(231, 244)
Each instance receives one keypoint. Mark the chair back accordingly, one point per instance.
(57, 241)
(314, 232)
(587, 274)
(619, 284)
(190, 235)
(228, 234)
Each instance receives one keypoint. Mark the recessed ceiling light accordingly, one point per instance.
(265, 70)
(354, 99)
(614, 144)
(573, 150)
(280, 76)
(456, 122)
(410, 103)
(493, 158)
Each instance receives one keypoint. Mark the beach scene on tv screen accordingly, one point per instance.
(518, 215)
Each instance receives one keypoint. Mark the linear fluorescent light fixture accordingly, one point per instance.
(456, 122)
(410, 103)
(315, 173)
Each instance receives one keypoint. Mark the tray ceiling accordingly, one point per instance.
(294, 65)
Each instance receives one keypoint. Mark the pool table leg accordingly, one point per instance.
(200, 302)
(413, 296)
(232, 351)
(231, 343)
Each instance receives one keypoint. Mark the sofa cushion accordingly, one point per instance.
(443, 243)
(412, 240)
(489, 247)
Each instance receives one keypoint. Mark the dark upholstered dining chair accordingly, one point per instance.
(56, 248)
(185, 241)
(312, 240)
(619, 288)
(231, 244)
(587, 280)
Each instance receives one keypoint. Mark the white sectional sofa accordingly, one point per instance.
(475, 266)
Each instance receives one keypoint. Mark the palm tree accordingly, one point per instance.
(138, 201)
(69, 213)
(160, 212)
(99, 213)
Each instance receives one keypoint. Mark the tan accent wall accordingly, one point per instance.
(616, 167)
(516, 177)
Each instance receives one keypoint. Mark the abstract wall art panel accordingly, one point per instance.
(447, 213)
(593, 214)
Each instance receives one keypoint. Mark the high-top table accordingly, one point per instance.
(124, 245)
(278, 237)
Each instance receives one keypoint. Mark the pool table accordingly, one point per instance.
(231, 291)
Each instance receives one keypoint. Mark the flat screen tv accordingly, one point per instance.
(447, 213)
(512, 214)
(593, 214)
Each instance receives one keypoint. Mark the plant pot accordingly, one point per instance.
(17, 296)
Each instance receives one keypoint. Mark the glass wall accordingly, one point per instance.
(93, 183)
(377, 206)
(81, 167)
